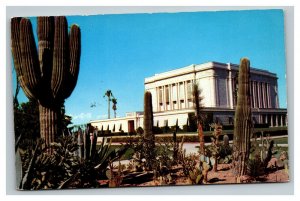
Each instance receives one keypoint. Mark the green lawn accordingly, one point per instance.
(283, 140)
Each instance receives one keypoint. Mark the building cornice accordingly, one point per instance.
(195, 68)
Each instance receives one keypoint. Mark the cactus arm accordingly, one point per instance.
(16, 52)
(45, 44)
(75, 51)
(60, 57)
(29, 57)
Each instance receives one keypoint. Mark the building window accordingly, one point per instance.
(254, 120)
(160, 96)
(189, 90)
(174, 92)
(217, 120)
(230, 120)
(167, 94)
(181, 91)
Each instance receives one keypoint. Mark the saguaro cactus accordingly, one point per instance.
(48, 75)
(149, 142)
(242, 121)
(148, 116)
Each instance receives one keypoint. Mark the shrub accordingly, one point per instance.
(140, 130)
(255, 168)
(185, 128)
(157, 130)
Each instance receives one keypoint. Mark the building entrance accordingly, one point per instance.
(131, 126)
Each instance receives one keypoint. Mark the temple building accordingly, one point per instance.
(172, 97)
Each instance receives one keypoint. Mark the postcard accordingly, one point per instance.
(160, 99)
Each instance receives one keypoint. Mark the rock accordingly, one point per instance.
(245, 179)
(273, 163)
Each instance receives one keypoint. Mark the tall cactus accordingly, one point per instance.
(48, 75)
(148, 116)
(242, 121)
(149, 138)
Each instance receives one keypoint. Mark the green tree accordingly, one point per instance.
(114, 107)
(109, 96)
(26, 121)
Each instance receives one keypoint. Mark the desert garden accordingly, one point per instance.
(47, 157)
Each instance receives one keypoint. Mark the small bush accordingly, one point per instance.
(225, 151)
(140, 130)
(107, 132)
(186, 128)
(157, 130)
(255, 168)
(228, 127)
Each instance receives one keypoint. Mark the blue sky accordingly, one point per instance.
(119, 51)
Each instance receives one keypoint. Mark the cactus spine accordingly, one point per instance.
(48, 75)
(242, 121)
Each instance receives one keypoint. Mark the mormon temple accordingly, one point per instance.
(172, 97)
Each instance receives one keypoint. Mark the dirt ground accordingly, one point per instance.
(224, 176)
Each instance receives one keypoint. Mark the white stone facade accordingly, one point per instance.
(172, 97)
(172, 90)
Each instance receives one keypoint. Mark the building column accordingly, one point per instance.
(271, 120)
(263, 95)
(178, 102)
(171, 97)
(233, 92)
(163, 98)
(281, 120)
(286, 120)
(260, 117)
(217, 92)
(258, 94)
(230, 92)
(185, 94)
(213, 92)
(266, 119)
(254, 94)
(276, 120)
(276, 98)
(157, 102)
(268, 95)
(251, 94)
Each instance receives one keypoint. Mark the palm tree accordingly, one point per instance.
(114, 107)
(108, 94)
